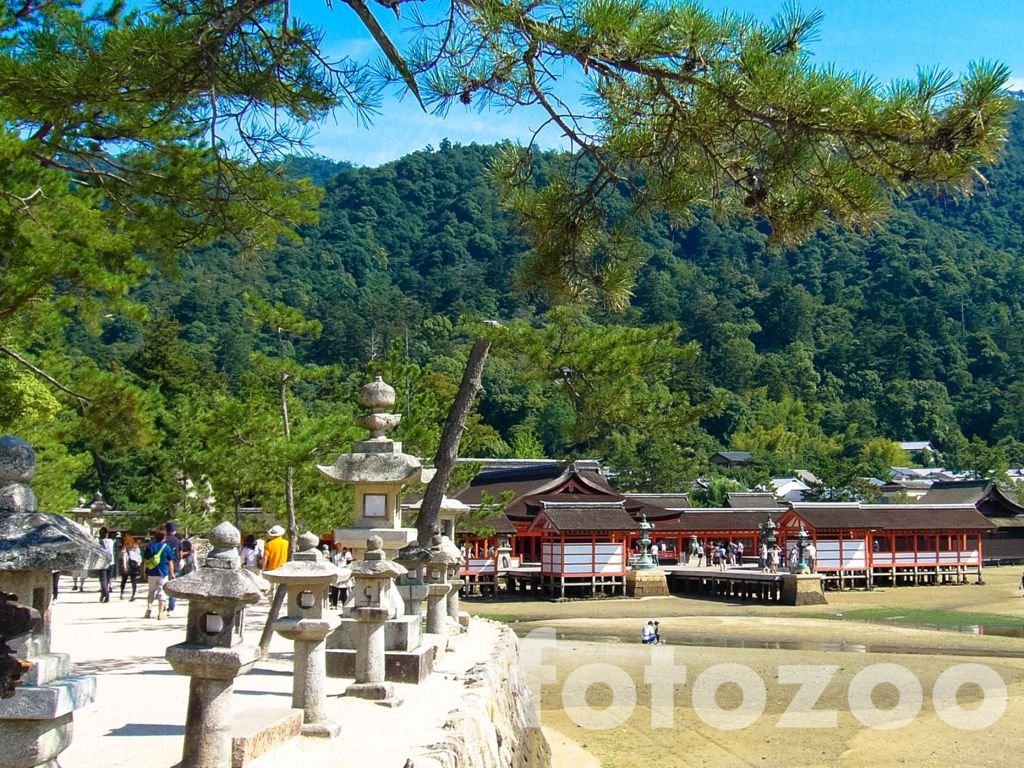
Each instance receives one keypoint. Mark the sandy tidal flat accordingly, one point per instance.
(788, 690)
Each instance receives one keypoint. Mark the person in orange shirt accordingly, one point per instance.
(275, 552)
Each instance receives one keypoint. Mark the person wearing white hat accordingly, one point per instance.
(275, 552)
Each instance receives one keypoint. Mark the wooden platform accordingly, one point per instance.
(735, 583)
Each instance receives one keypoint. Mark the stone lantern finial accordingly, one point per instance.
(224, 539)
(17, 468)
(379, 397)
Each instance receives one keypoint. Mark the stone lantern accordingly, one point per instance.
(438, 585)
(694, 546)
(802, 537)
(644, 562)
(455, 562)
(36, 722)
(377, 470)
(413, 586)
(767, 530)
(504, 552)
(374, 603)
(307, 578)
(214, 653)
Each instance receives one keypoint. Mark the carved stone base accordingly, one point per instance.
(399, 666)
(254, 732)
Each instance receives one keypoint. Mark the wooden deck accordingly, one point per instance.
(738, 583)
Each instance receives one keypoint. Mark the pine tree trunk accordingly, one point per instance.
(448, 450)
(293, 529)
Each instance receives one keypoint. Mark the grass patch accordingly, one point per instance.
(932, 618)
(504, 618)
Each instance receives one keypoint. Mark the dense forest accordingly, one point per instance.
(812, 357)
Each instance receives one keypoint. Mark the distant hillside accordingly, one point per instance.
(916, 332)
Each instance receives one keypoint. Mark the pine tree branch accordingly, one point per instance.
(43, 374)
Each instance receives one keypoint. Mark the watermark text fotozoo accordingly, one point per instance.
(665, 678)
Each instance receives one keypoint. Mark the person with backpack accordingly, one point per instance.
(174, 543)
(158, 562)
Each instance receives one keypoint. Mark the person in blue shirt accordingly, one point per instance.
(171, 540)
(158, 562)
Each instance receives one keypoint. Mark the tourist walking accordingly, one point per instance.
(78, 580)
(174, 544)
(739, 553)
(188, 562)
(158, 562)
(275, 553)
(131, 564)
(338, 593)
(105, 574)
(252, 557)
(811, 555)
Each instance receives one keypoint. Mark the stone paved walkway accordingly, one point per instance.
(139, 713)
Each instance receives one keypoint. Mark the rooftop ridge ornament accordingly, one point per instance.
(379, 397)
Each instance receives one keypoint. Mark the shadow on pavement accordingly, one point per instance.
(147, 729)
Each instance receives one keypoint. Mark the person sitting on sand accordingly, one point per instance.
(647, 633)
(657, 633)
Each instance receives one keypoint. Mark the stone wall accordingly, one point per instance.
(492, 727)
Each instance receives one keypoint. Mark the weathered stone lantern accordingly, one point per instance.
(413, 585)
(455, 562)
(438, 586)
(214, 653)
(377, 470)
(374, 604)
(36, 722)
(504, 552)
(307, 578)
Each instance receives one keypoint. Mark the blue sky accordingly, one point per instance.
(887, 39)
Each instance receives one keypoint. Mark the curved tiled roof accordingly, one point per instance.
(596, 517)
(726, 520)
(892, 517)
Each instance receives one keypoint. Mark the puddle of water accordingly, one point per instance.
(981, 629)
(799, 645)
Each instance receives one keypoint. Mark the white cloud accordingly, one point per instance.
(1015, 84)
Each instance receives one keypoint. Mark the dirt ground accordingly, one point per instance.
(741, 684)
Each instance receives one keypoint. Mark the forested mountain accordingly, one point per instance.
(805, 356)
(914, 332)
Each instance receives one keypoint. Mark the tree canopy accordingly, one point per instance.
(140, 141)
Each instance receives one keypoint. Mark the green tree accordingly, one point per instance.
(688, 109)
